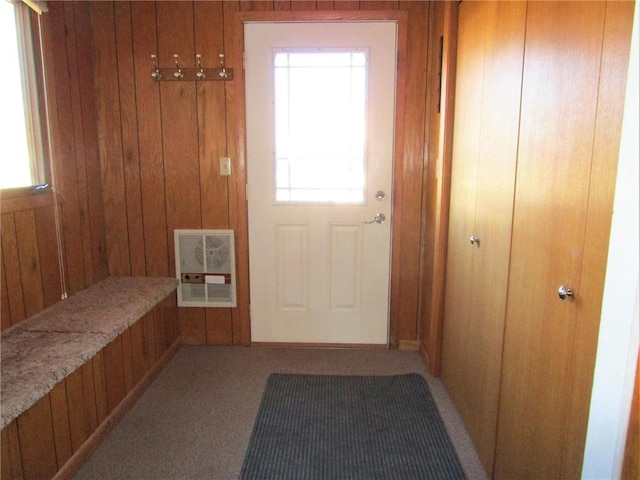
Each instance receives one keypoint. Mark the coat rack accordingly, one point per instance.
(199, 73)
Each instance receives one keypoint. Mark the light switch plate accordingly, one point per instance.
(225, 166)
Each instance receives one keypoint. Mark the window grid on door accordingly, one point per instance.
(320, 125)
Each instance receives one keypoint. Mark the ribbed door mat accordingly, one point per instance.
(349, 427)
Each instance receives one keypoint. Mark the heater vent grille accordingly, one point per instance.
(205, 266)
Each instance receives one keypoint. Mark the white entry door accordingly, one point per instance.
(320, 120)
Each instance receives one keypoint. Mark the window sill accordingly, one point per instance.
(28, 198)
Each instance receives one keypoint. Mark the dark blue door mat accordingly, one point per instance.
(349, 427)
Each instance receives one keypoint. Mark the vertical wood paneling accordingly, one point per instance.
(11, 461)
(399, 145)
(37, 445)
(439, 186)
(429, 180)
(48, 254)
(129, 127)
(81, 400)
(89, 400)
(27, 241)
(150, 337)
(212, 144)
(78, 146)
(281, 5)
(77, 430)
(138, 351)
(303, 5)
(324, 5)
(89, 131)
(61, 428)
(159, 334)
(378, 5)
(238, 218)
(192, 326)
(5, 313)
(264, 5)
(100, 386)
(11, 264)
(169, 310)
(219, 326)
(179, 121)
(432, 182)
(166, 316)
(114, 373)
(110, 139)
(63, 144)
(346, 5)
(127, 360)
(180, 140)
(143, 17)
(408, 260)
(247, 6)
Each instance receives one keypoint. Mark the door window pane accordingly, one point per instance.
(320, 125)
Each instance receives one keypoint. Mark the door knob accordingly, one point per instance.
(379, 218)
(564, 292)
(474, 240)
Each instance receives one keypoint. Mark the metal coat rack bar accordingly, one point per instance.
(199, 73)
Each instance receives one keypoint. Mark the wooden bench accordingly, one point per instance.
(72, 371)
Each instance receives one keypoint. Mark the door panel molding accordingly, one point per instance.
(292, 254)
(345, 247)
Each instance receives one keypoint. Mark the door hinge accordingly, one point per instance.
(246, 192)
(244, 61)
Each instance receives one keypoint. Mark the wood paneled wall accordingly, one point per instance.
(437, 178)
(135, 159)
(159, 144)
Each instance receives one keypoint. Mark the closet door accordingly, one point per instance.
(561, 188)
(489, 74)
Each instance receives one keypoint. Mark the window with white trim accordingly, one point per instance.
(22, 157)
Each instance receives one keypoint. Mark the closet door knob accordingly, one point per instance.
(474, 240)
(564, 292)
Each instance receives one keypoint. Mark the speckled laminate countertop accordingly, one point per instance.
(42, 350)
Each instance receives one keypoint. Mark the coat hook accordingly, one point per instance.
(178, 73)
(223, 70)
(155, 74)
(201, 73)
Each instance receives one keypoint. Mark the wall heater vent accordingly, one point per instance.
(206, 268)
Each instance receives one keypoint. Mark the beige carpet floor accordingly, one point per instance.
(195, 420)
